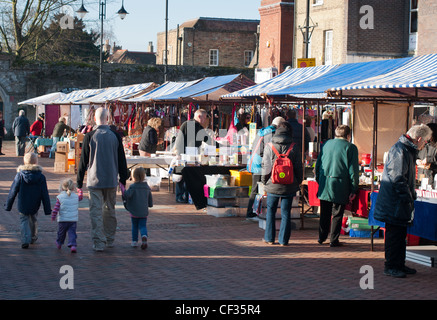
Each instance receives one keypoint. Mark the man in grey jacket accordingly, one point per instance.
(21, 128)
(104, 159)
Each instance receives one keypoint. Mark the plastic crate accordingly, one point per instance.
(215, 180)
(358, 223)
(356, 233)
(242, 178)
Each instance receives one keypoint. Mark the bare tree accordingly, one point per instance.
(22, 21)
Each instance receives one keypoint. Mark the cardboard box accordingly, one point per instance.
(42, 149)
(63, 147)
(61, 162)
(60, 167)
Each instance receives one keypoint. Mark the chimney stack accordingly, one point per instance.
(150, 46)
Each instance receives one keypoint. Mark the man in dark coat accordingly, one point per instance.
(21, 128)
(337, 175)
(297, 130)
(191, 134)
(395, 201)
(58, 133)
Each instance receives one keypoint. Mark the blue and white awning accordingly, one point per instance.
(44, 99)
(165, 89)
(340, 75)
(417, 77)
(201, 88)
(76, 95)
(116, 93)
(286, 79)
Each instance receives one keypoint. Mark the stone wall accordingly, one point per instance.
(36, 79)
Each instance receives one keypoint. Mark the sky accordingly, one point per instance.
(147, 17)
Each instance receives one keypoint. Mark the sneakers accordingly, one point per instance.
(58, 245)
(143, 242)
(134, 244)
(97, 249)
(73, 249)
(25, 246)
(268, 242)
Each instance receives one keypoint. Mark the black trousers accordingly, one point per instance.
(395, 246)
(254, 190)
(330, 210)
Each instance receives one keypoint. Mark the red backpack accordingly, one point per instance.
(282, 170)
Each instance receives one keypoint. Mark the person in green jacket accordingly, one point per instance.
(337, 174)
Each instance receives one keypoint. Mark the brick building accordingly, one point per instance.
(276, 34)
(427, 27)
(210, 42)
(356, 30)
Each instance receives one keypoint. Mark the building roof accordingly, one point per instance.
(221, 24)
(136, 57)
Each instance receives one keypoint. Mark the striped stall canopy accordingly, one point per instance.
(165, 89)
(205, 86)
(76, 95)
(116, 93)
(340, 75)
(286, 79)
(416, 78)
(44, 99)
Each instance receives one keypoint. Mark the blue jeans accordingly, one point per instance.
(138, 224)
(29, 228)
(53, 149)
(181, 191)
(285, 228)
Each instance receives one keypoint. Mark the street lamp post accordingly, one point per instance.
(102, 15)
(166, 41)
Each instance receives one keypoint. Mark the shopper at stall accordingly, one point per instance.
(21, 129)
(191, 134)
(104, 161)
(149, 138)
(243, 121)
(282, 141)
(427, 162)
(263, 137)
(2, 132)
(37, 126)
(58, 132)
(395, 201)
(337, 174)
(297, 130)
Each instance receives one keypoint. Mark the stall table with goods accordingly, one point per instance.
(195, 179)
(43, 146)
(158, 161)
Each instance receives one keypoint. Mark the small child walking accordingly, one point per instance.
(138, 200)
(67, 211)
(30, 186)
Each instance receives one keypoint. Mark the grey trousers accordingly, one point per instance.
(29, 228)
(102, 215)
(20, 146)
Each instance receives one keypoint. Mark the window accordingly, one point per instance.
(317, 2)
(213, 57)
(328, 47)
(413, 16)
(248, 56)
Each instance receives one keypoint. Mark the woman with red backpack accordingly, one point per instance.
(281, 175)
